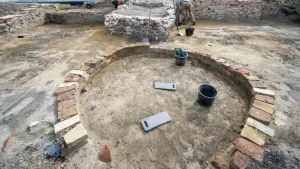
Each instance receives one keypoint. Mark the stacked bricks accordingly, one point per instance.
(249, 145)
(67, 94)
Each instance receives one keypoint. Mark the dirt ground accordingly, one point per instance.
(123, 94)
(31, 68)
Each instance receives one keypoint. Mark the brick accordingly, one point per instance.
(260, 115)
(66, 124)
(266, 99)
(258, 84)
(261, 127)
(253, 135)
(65, 104)
(64, 89)
(69, 84)
(269, 108)
(66, 95)
(74, 78)
(75, 136)
(94, 62)
(252, 78)
(250, 149)
(239, 161)
(222, 159)
(67, 112)
(80, 73)
(264, 92)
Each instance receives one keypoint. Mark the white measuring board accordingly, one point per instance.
(165, 86)
(155, 120)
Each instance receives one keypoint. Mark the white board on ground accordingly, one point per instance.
(165, 86)
(155, 120)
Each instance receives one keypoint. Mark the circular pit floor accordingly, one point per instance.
(122, 94)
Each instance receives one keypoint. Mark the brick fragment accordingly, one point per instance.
(239, 161)
(94, 62)
(269, 108)
(266, 99)
(260, 115)
(222, 159)
(80, 73)
(264, 92)
(66, 95)
(63, 89)
(74, 78)
(253, 135)
(75, 136)
(250, 149)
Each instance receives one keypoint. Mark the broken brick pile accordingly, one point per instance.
(25, 18)
(247, 147)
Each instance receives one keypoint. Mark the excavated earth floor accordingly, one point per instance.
(123, 94)
(31, 68)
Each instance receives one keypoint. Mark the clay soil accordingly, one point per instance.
(123, 94)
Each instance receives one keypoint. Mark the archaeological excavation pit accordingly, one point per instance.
(122, 94)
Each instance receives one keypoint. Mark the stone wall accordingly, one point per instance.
(30, 16)
(132, 19)
(228, 9)
(78, 16)
(275, 7)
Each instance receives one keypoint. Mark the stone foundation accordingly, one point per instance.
(78, 16)
(132, 19)
(24, 17)
(228, 9)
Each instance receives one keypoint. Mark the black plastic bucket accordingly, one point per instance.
(189, 31)
(180, 61)
(207, 94)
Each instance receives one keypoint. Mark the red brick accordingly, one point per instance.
(260, 115)
(239, 161)
(65, 104)
(67, 112)
(74, 78)
(63, 89)
(66, 95)
(258, 84)
(93, 63)
(250, 149)
(222, 160)
(266, 99)
(269, 108)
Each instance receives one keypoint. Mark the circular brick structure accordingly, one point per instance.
(246, 147)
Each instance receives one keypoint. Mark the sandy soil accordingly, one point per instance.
(123, 94)
(32, 68)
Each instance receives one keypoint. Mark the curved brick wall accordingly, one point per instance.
(249, 145)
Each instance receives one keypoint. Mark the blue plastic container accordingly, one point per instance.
(180, 61)
(207, 95)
